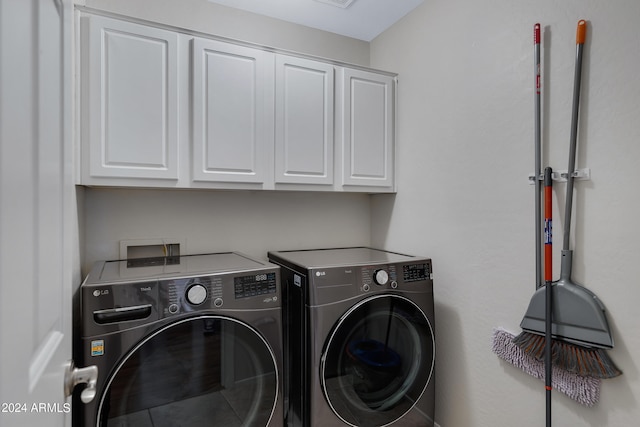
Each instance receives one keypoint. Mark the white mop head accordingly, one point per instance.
(585, 390)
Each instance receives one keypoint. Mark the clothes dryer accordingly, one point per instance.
(358, 338)
(182, 341)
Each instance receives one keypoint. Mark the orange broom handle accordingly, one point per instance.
(548, 241)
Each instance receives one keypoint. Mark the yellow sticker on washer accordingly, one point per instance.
(97, 348)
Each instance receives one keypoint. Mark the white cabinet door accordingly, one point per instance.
(367, 131)
(130, 91)
(304, 121)
(232, 113)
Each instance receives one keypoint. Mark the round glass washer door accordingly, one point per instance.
(206, 370)
(377, 361)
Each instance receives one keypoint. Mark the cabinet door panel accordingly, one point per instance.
(304, 121)
(232, 86)
(131, 75)
(367, 133)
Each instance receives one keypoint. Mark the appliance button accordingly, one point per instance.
(196, 294)
(173, 308)
(218, 302)
(365, 287)
(394, 284)
(381, 277)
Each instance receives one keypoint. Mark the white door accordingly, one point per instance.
(232, 112)
(37, 236)
(304, 121)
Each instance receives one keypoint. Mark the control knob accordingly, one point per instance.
(196, 294)
(381, 277)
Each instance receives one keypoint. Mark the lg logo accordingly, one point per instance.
(320, 273)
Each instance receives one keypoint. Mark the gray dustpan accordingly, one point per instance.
(578, 315)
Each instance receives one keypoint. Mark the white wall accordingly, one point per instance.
(217, 221)
(465, 149)
(211, 18)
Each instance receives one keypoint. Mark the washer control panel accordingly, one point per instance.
(234, 291)
(117, 295)
(254, 285)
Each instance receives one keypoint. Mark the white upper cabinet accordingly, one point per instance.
(304, 121)
(129, 91)
(367, 129)
(173, 109)
(232, 105)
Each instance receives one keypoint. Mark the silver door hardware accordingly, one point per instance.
(74, 376)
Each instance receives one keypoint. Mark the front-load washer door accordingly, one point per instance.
(377, 361)
(206, 370)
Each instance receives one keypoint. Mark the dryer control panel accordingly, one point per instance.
(341, 283)
(416, 272)
(380, 275)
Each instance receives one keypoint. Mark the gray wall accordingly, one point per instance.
(211, 18)
(219, 221)
(465, 149)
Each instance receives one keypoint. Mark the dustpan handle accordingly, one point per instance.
(581, 34)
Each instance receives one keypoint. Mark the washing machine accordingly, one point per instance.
(181, 341)
(359, 341)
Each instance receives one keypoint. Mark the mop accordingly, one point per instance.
(584, 390)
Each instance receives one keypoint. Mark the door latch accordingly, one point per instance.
(74, 376)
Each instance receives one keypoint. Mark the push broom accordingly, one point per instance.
(579, 324)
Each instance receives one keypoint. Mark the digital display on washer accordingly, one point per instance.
(254, 285)
(416, 272)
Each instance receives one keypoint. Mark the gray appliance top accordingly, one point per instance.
(323, 258)
(185, 265)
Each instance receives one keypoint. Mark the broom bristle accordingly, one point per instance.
(594, 362)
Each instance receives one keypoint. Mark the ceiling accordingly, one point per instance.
(362, 19)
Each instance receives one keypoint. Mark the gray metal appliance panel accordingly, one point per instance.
(238, 288)
(319, 287)
(165, 299)
(324, 258)
(187, 265)
(344, 274)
